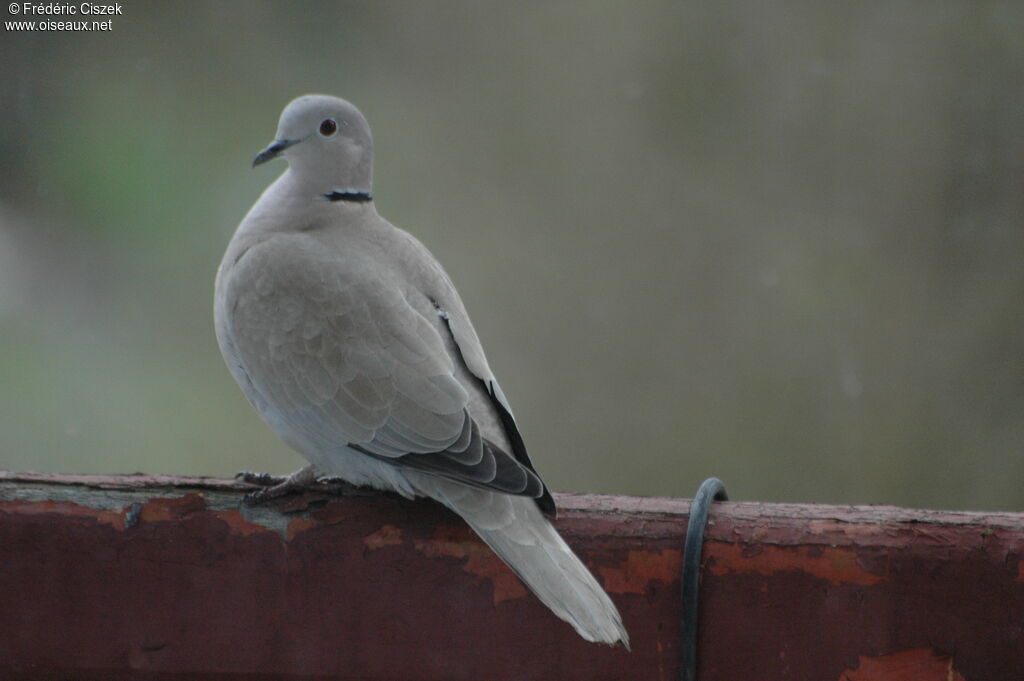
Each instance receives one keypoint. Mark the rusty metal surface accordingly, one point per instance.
(155, 577)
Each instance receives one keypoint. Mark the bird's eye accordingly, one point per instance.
(328, 127)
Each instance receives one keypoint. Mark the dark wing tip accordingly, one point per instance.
(473, 460)
(546, 504)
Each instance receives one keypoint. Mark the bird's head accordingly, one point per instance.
(326, 141)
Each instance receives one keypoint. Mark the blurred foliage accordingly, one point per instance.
(781, 243)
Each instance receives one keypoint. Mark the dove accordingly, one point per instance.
(350, 340)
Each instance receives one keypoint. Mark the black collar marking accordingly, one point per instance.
(356, 197)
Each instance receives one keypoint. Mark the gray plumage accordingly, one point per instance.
(350, 340)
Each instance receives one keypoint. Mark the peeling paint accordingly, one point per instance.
(839, 565)
(298, 525)
(264, 517)
(65, 508)
(640, 568)
(167, 509)
(920, 664)
(131, 516)
(481, 562)
(240, 524)
(387, 535)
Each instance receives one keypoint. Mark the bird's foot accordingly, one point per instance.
(276, 486)
(303, 480)
(261, 479)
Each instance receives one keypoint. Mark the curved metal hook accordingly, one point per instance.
(710, 490)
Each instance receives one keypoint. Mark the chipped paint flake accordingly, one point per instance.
(481, 562)
(114, 518)
(297, 526)
(131, 516)
(239, 524)
(639, 569)
(387, 535)
(838, 565)
(919, 664)
(172, 509)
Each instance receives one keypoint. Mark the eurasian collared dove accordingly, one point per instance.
(350, 340)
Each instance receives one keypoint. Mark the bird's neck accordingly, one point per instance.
(296, 203)
(334, 178)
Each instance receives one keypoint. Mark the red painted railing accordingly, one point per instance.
(148, 577)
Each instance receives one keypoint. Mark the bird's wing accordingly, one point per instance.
(344, 359)
(471, 353)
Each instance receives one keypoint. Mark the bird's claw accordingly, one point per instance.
(273, 486)
(261, 479)
(277, 486)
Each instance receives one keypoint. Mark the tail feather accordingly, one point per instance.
(524, 539)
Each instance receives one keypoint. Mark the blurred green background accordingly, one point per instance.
(781, 243)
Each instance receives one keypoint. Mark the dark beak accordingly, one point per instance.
(273, 151)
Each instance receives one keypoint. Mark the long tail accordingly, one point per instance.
(522, 537)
